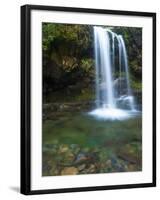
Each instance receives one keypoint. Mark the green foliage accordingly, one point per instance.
(136, 85)
(87, 64)
(133, 41)
(68, 56)
(72, 36)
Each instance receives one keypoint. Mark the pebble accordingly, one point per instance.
(69, 171)
(81, 167)
(63, 148)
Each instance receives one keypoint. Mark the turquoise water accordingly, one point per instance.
(88, 131)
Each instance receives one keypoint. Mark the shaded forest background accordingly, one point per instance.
(69, 65)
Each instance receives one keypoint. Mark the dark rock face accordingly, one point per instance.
(120, 86)
(54, 110)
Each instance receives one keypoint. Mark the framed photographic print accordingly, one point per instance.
(88, 99)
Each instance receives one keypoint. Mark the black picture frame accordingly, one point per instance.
(26, 98)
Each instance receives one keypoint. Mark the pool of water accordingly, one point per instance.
(111, 141)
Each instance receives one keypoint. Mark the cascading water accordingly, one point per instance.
(104, 80)
(129, 91)
(114, 99)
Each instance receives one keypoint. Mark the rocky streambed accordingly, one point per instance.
(71, 159)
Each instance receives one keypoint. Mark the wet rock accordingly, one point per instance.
(69, 171)
(70, 156)
(66, 159)
(54, 170)
(114, 160)
(75, 148)
(81, 167)
(119, 167)
(131, 168)
(64, 107)
(91, 168)
(63, 148)
(45, 169)
(86, 157)
(81, 157)
(108, 163)
(54, 110)
(131, 153)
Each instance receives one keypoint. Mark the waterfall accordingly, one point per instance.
(104, 81)
(129, 91)
(114, 98)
